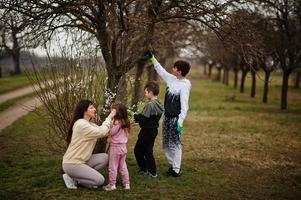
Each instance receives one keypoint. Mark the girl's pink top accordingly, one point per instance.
(118, 135)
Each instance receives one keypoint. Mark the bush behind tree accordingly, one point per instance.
(63, 82)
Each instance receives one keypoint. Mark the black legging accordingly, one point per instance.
(144, 150)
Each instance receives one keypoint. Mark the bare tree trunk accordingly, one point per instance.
(222, 75)
(122, 90)
(151, 74)
(242, 81)
(109, 97)
(137, 85)
(205, 69)
(253, 86)
(284, 90)
(297, 80)
(16, 59)
(210, 70)
(266, 86)
(226, 76)
(235, 78)
(219, 72)
(15, 52)
(111, 91)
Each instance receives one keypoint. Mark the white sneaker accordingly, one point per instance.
(69, 182)
(109, 187)
(127, 186)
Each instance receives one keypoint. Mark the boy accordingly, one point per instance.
(148, 121)
(176, 107)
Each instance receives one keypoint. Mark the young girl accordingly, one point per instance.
(117, 156)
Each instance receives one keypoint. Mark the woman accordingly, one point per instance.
(79, 164)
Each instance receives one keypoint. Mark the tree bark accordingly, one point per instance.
(235, 78)
(226, 76)
(297, 80)
(266, 86)
(284, 90)
(219, 74)
(242, 81)
(111, 91)
(137, 85)
(210, 70)
(253, 86)
(205, 69)
(109, 97)
(16, 59)
(15, 52)
(122, 90)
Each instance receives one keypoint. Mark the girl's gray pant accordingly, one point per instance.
(87, 174)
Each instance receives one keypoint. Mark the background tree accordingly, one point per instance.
(286, 19)
(16, 34)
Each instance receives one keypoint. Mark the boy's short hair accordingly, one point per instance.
(182, 66)
(152, 86)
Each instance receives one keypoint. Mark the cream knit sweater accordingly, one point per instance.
(84, 138)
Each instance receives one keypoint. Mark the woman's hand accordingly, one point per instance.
(112, 114)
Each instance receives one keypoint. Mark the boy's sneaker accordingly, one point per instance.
(109, 187)
(69, 182)
(172, 173)
(153, 175)
(143, 173)
(127, 186)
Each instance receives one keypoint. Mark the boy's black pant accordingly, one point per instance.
(144, 150)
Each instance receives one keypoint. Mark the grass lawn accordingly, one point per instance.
(13, 82)
(237, 149)
(5, 105)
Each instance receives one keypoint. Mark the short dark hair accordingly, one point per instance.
(152, 86)
(182, 66)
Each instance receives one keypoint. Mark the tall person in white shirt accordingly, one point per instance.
(176, 107)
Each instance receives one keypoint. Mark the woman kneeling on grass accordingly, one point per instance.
(79, 164)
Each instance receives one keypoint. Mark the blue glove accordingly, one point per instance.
(180, 126)
(150, 56)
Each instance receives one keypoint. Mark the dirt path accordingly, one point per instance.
(17, 93)
(21, 108)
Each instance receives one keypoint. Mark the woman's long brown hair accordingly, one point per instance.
(80, 109)
(122, 116)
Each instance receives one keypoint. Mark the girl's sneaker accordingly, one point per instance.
(127, 186)
(69, 182)
(109, 187)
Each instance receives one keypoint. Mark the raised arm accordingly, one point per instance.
(159, 69)
(93, 131)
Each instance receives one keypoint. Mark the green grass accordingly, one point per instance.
(5, 105)
(10, 83)
(239, 149)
